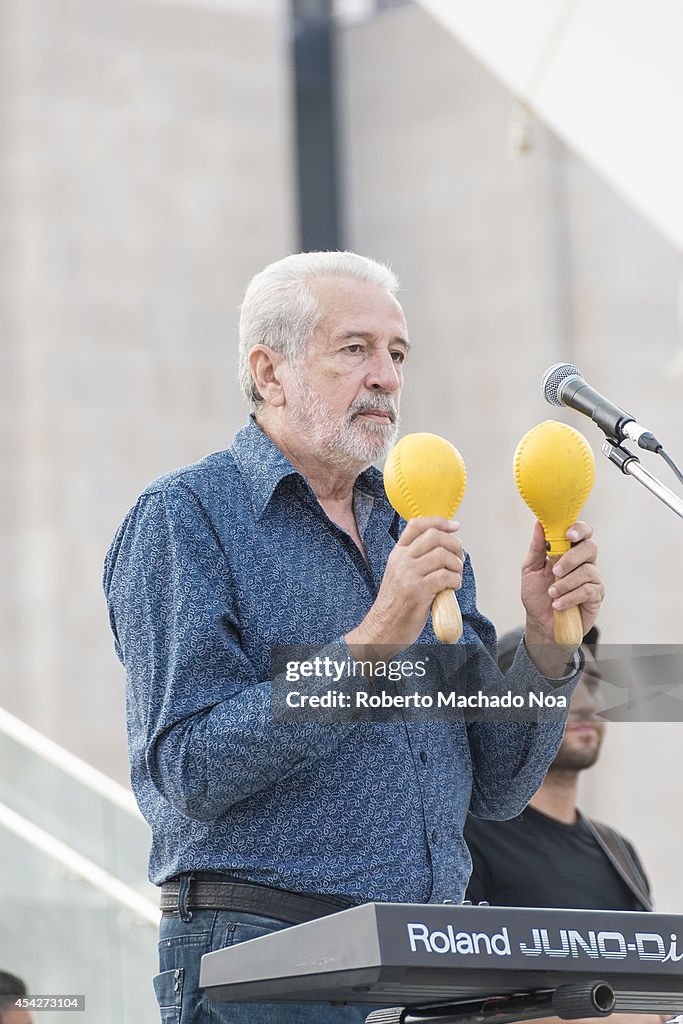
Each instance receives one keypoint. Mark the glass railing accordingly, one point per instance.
(78, 916)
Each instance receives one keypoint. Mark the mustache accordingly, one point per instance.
(380, 403)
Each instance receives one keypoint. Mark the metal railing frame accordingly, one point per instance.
(48, 844)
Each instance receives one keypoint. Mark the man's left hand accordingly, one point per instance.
(573, 580)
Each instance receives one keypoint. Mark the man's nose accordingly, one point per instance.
(384, 373)
(587, 703)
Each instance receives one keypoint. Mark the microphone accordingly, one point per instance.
(564, 384)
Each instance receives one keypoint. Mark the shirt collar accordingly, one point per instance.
(263, 466)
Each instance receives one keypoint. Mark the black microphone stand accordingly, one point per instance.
(630, 465)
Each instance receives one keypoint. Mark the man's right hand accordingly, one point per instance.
(427, 559)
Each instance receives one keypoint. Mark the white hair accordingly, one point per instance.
(280, 310)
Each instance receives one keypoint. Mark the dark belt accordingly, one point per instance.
(210, 890)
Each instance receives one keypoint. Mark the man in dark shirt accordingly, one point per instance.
(551, 855)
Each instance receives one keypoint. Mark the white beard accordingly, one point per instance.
(347, 439)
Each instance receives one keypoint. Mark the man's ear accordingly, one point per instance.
(265, 364)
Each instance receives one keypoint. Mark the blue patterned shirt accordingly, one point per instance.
(214, 565)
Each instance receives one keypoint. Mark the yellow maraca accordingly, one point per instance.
(425, 475)
(554, 472)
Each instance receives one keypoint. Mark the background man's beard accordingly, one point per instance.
(347, 439)
(573, 760)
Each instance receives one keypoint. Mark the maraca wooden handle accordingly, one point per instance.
(446, 617)
(567, 625)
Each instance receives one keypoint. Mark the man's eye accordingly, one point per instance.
(398, 357)
(354, 348)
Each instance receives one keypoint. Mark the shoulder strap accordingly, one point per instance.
(617, 852)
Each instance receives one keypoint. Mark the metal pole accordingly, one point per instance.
(317, 171)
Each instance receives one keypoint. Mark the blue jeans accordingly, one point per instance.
(181, 1001)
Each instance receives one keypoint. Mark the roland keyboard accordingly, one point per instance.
(420, 954)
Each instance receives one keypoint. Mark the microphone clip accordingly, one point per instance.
(617, 455)
(629, 464)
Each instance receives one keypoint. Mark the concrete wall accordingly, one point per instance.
(145, 174)
(509, 265)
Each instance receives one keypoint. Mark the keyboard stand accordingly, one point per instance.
(570, 1002)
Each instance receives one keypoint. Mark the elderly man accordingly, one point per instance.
(287, 537)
